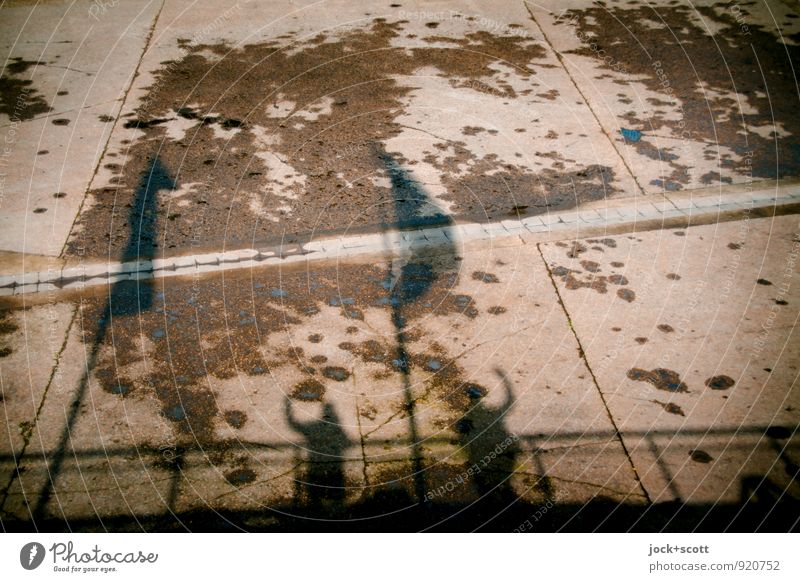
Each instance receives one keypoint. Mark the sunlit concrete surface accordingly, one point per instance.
(399, 266)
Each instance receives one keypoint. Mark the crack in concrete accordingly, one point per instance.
(26, 436)
(583, 96)
(361, 440)
(102, 155)
(582, 355)
(580, 482)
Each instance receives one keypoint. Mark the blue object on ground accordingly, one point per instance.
(631, 134)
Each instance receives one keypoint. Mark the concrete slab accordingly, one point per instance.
(690, 338)
(66, 73)
(297, 396)
(691, 95)
(465, 103)
(31, 343)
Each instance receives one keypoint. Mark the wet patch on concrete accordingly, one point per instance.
(241, 476)
(18, 99)
(189, 331)
(295, 144)
(335, 373)
(490, 189)
(588, 276)
(627, 295)
(235, 418)
(309, 390)
(670, 407)
(590, 266)
(700, 456)
(7, 327)
(660, 378)
(485, 277)
(720, 382)
(446, 382)
(679, 174)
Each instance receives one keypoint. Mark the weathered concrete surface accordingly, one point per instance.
(695, 352)
(281, 119)
(64, 78)
(299, 377)
(642, 380)
(321, 107)
(492, 382)
(710, 86)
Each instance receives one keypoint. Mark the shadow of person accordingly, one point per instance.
(321, 485)
(491, 448)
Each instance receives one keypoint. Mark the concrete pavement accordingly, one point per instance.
(442, 265)
(607, 377)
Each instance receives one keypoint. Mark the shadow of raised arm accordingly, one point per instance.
(290, 419)
(509, 401)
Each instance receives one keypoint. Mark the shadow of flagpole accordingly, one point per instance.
(413, 208)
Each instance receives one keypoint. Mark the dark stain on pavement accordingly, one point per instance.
(700, 456)
(720, 382)
(660, 44)
(626, 295)
(336, 373)
(485, 277)
(670, 407)
(661, 378)
(18, 99)
(235, 418)
(241, 476)
(308, 390)
(290, 160)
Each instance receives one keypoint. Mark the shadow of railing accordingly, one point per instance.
(763, 504)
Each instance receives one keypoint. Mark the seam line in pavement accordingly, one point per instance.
(582, 355)
(639, 214)
(588, 103)
(102, 156)
(26, 437)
